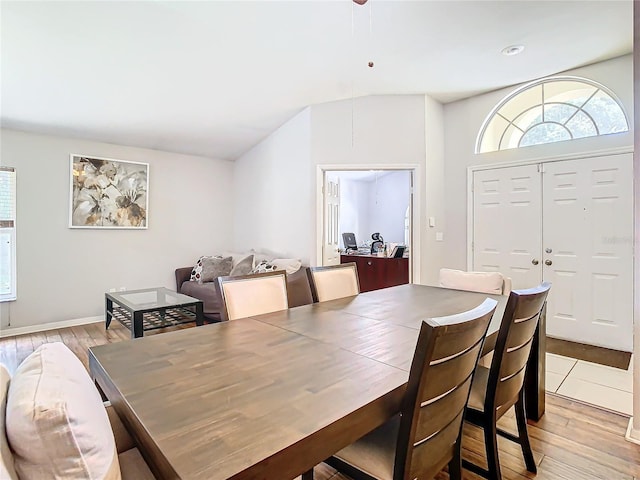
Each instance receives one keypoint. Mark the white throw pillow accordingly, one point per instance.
(7, 471)
(290, 265)
(56, 422)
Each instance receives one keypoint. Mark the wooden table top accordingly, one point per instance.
(273, 395)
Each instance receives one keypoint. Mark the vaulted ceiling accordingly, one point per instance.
(213, 78)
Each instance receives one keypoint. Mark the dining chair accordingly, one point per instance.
(496, 389)
(247, 295)
(333, 281)
(483, 282)
(425, 436)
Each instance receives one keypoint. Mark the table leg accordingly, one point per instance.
(136, 325)
(534, 381)
(199, 313)
(108, 312)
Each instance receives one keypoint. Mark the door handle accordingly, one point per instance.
(548, 262)
(535, 262)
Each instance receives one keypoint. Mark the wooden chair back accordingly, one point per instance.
(247, 295)
(334, 281)
(513, 347)
(439, 383)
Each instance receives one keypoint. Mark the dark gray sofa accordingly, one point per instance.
(297, 287)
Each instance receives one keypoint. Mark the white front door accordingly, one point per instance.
(569, 223)
(507, 222)
(588, 247)
(330, 252)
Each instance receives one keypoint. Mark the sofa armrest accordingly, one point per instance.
(182, 275)
(123, 440)
(298, 288)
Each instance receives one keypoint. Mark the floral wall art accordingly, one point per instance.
(107, 193)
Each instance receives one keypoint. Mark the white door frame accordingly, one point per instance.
(416, 220)
(516, 163)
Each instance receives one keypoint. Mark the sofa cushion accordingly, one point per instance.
(206, 292)
(263, 266)
(243, 267)
(214, 267)
(7, 469)
(57, 425)
(196, 271)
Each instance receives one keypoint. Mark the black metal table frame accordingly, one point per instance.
(136, 317)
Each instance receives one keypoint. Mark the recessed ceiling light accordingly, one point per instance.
(512, 50)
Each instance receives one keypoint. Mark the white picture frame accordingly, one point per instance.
(108, 193)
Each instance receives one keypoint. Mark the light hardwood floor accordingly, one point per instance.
(573, 441)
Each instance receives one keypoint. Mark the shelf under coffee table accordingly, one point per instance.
(150, 309)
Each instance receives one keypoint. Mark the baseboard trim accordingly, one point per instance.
(632, 435)
(12, 332)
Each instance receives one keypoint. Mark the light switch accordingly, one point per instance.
(439, 236)
(432, 221)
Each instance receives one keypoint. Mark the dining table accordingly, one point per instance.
(270, 396)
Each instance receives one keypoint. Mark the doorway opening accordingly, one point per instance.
(366, 202)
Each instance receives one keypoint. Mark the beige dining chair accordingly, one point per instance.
(425, 436)
(496, 389)
(483, 282)
(247, 295)
(334, 281)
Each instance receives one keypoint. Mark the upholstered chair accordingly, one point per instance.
(334, 281)
(53, 423)
(255, 294)
(483, 282)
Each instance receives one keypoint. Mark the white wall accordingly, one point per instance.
(276, 183)
(368, 206)
(387, 130)
(63, 273)
(388, 202)
(462, 121)
(271, 195)
(354, 209)
(432, 249)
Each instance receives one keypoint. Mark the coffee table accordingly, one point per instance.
(150, 309)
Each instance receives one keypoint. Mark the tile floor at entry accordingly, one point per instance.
(606, 387)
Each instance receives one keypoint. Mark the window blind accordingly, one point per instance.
(7, 233)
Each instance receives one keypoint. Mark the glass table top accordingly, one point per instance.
(150, 298)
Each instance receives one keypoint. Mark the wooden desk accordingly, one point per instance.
(271, 396)
(376, 272)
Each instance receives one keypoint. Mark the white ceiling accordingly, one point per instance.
(213, 78)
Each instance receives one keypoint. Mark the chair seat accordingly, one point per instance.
(478, 389)
(374, 453)
(133, 466)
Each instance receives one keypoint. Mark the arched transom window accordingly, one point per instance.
(551, 110)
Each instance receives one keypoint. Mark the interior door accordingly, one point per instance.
(507, 223)
(330, 252)
(588, 247)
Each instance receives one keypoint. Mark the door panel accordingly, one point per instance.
(507, 223)
(578, 216)
(588, 226)
(330, 252)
